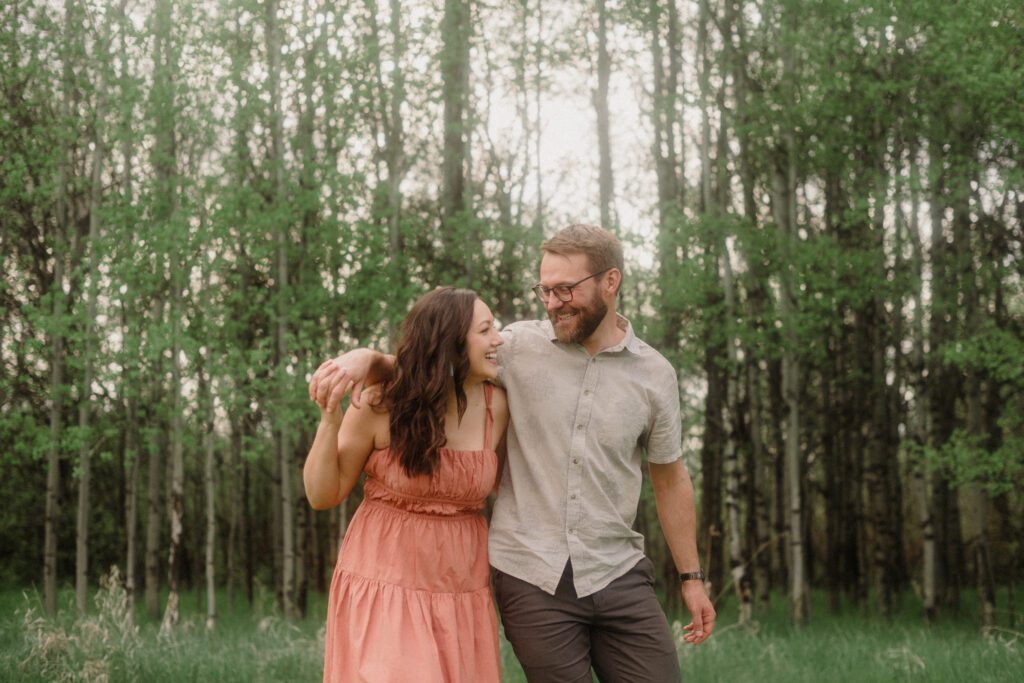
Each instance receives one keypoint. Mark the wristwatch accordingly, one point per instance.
(692, 576)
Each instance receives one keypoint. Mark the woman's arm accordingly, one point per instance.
(339, 453)
(499, 409)
(502, 452)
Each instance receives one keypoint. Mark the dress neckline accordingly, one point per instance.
(443, 449)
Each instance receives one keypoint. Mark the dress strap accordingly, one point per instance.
(489, 419)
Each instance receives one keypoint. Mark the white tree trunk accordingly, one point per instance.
(176, 504)
(131, 512)
(284, 464)
(166, 165)
(737, 558)
(919, 413)
(85, 398)
(784, 205)
(211, 525)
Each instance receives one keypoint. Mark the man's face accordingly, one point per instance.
(575, 320)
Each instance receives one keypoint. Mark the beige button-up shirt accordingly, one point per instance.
(578, 430)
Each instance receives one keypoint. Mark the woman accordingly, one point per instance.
(410, 599)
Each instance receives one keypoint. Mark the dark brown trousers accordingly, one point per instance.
(620, 631)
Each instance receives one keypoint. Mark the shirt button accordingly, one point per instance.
(572, 532)
(579, 427)
(572, 497)
(586, 392)
(575, 461)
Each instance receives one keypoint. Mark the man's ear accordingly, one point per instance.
(614, 281)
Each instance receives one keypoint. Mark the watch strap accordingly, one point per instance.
(692, 576)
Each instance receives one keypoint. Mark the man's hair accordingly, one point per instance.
(602, 248)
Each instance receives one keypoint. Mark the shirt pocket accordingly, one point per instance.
(618, 421)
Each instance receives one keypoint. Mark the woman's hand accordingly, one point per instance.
(330, 418)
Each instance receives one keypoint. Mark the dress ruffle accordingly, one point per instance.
(410, 598)
(384, 633)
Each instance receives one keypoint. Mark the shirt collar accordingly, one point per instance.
(629, 342)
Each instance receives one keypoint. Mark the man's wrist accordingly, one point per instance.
(697, 575)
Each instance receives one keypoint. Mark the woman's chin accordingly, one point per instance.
(484, 375)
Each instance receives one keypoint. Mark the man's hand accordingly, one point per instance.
(703, 613)
(338, 376)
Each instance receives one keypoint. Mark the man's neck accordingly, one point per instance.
(607, 334)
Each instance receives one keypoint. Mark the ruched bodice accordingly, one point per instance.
(459, 486)
(410, 598)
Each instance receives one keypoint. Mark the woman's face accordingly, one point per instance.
(482, 342)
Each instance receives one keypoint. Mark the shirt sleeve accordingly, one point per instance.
(665, 436)
(505, 354)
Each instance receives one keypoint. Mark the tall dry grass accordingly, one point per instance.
(86, 648)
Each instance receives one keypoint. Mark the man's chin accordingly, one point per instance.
(570, 335)
(564, 332)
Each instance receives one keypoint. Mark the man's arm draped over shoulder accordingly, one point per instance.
(352, 371)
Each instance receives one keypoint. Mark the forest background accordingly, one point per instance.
(822, 203)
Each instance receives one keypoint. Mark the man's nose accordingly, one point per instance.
(553, 303)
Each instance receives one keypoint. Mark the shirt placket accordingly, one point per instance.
(574, 498)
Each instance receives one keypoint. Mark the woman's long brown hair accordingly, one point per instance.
(431, 353)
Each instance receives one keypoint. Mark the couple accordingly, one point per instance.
(410, 599)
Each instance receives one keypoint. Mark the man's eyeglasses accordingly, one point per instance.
(563, 292)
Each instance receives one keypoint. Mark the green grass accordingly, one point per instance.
(253, 644)
(853, 646)
(848, 649)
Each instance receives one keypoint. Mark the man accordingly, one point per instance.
(587, 399)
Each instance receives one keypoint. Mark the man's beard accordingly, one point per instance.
(587, 320)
